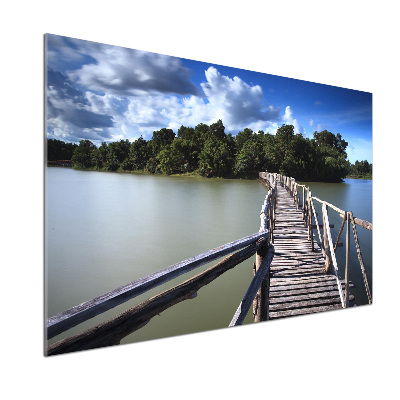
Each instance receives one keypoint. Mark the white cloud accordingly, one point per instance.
(235, 102)
(238, 104)
(126, 96)
(127, 72)
(289, 120)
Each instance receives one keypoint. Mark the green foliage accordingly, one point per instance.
(360, 169)
(329, 143)
(216, 159)
(242, 137)
(83, 155)
(172, 158)
(100, 155)
(217, 130)
(139, 154)
(59, 150)
(118, 153)
(161, 139)
(251, 157)
(207, 150)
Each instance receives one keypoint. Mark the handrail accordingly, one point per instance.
(360, 258)
(326, 243)
(251, 292)
(326, 225)
(112, 331)
(89, 309)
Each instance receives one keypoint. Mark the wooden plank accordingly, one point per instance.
(305, 304)
(320, 278)
(303, 297)
(309, 285)
(111, 332)
(303, 311)
(288, 273)
(89, 309)
(304, 290)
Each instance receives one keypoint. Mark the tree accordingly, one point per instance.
(242, 137)
(284, 135)
(360, 169)
(161, 139)
(59, 150)
(82, 156)
(217, 130)
(100, 155)
(251, 157)
(328, 142)
(118, 153)
(139, 154)
(192, 141)
(216, 160)
(172, 158)
(186, 133)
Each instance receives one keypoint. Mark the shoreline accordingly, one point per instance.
(192, 174)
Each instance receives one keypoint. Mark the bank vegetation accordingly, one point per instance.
(208, 151)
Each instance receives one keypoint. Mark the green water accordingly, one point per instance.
(108, 229)
(104, 230)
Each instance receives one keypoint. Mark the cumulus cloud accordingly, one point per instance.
(289, 120)
(127, 72)
(106, 93)
(238, 104)
(234, 101)
(69, 112)
(64, 53)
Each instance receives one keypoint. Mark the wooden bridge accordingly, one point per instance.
(293, 273)
(299, 283)
(60, 163)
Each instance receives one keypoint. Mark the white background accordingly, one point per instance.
(347, 354)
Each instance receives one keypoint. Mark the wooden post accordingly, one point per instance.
(360, 258)
(326, 243)
(260, 303)
(346, 273)
(310, 220)
(306, 209)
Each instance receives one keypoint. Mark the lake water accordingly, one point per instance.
(105, 230)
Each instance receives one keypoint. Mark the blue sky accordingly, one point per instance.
(107, 93)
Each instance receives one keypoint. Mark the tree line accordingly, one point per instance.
(208, 151)
(360, 169)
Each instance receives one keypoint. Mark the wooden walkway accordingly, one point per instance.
(298, 281)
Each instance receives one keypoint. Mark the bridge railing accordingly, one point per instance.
(112, 331)
(60, 163)
(325, 238)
